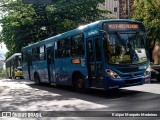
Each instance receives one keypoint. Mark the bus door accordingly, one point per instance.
(50, 64)
(27, 65)
(95, 66)
(29, 62)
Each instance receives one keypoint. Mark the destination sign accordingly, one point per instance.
(123, 26)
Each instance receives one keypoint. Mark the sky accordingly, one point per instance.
(3, 48)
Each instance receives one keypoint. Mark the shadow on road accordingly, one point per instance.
(46, 97)
(110, 94)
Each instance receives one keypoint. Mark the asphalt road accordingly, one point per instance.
(22, 95)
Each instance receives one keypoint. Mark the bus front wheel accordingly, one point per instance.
(79, 83)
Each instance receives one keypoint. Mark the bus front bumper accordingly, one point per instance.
(18, 74)
(119, 83)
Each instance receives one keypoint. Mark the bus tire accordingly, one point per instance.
(37, 79)
(13, 75)
(21, 77)
(78, 83)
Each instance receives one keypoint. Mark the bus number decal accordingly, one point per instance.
(76, 61)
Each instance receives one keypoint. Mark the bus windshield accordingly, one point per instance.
(18, 62)
(125, 48)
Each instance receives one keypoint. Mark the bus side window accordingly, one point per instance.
(59, 49)
(98, 49)
(63, 48)
(36, 55)
(77, 43)
(90, 48)
(42, 53)
(67, 47)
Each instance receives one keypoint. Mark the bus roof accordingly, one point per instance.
(11, 57)
(86, 27)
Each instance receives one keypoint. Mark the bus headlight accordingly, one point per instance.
(148, 71)
(112, 74)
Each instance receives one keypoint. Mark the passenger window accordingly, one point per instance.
(98, 49)
(35, 52)
(77, 43)
(42, 54)
(63, 48)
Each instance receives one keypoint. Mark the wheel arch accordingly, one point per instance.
(36, 74)
(75, 74)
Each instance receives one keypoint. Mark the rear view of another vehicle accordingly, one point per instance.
(17, 67)
(18, 73)
(14, 66)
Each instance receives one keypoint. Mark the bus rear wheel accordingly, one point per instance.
(37, 80)
(79, 83)
(13, 76)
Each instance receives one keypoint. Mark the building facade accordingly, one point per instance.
(120, 8)
(156, 50)
(126, 8)
(156, 54)
(111, 5)
(158, 1)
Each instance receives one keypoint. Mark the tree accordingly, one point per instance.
(148, 11)
(18, 24)
(2, 73)
(26, 23)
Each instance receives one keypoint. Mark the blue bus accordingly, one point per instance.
(105, 54)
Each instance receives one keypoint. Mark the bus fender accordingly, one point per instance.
(78, 81)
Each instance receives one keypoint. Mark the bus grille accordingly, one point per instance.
(128, 82)
(128, 70)
(130, 76)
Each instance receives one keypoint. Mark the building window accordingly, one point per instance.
(115, 9)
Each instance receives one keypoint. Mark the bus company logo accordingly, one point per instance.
(92, 32)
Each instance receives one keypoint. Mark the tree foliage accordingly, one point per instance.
(27, 23)
(148, 11)
(2, 73)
